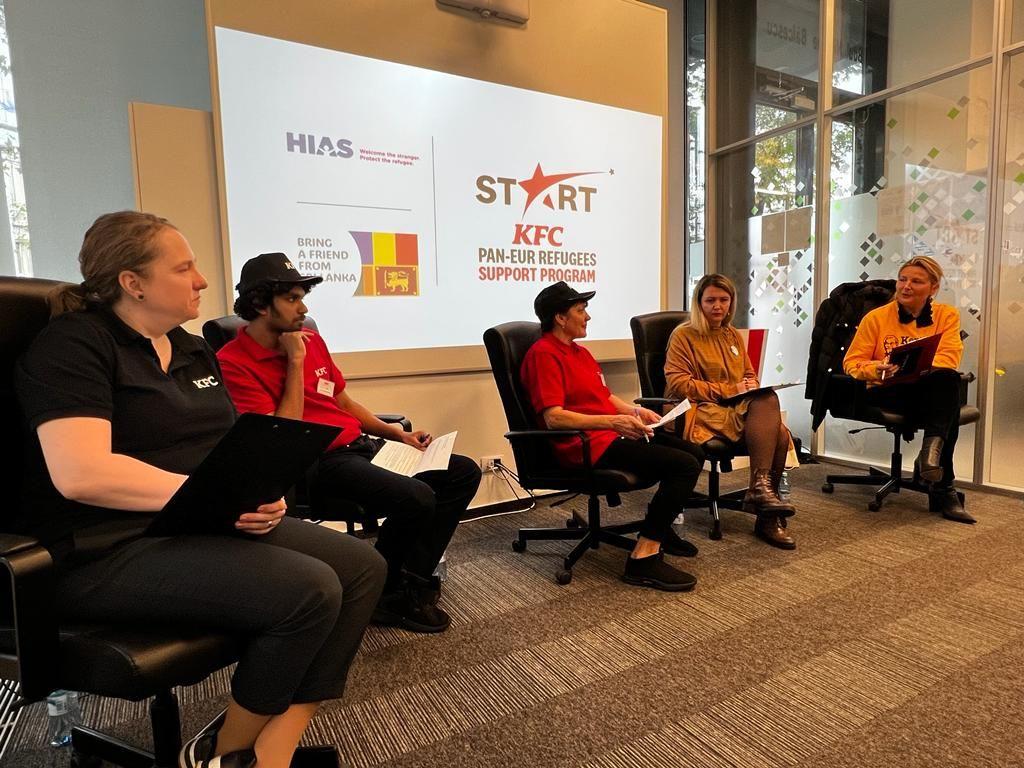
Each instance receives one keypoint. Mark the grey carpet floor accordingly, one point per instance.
(886, 639)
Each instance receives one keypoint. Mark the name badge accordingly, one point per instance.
(735, 352)
(325, 387)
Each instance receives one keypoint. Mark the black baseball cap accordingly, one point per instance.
(556, 298)
(273, 269)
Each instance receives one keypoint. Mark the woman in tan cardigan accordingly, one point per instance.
(707, 363)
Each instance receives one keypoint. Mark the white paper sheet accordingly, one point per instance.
(406, 460)
(674, 414)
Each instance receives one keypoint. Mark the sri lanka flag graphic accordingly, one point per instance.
(389, 264)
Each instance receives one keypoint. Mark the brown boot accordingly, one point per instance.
(761, 498)
(769, 528)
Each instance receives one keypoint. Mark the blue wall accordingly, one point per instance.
(76, 65)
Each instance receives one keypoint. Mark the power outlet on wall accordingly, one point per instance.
(490, 463)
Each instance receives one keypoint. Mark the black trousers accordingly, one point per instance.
(933, 402)
(302, 595)
(421, 512)
(673, 462)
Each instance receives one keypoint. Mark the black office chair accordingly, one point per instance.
(42, 653)
(537, 466)
(651, 333)
(318, 505)
(844, 398)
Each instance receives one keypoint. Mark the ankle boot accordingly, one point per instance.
(761, 498)
(776, 478)
(769, 528)
(946, 501)
(929, 460)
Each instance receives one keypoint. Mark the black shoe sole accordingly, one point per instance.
(665, 586)
(387, 619)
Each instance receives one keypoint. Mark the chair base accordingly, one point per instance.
(885, 483)
(587, 532)
(89, 747)
(714, 499)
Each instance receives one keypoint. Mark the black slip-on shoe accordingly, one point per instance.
(411, 609)
(675, 545)
(198, 753)
(654, 572)
(317, 756)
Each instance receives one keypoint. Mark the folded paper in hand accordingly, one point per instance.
(674, 414)
(406, 460)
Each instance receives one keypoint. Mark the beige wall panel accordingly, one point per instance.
(175, 177)
(607, 51)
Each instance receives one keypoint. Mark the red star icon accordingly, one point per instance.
(537, 183)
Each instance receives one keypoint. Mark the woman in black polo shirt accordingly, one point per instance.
(125, 404)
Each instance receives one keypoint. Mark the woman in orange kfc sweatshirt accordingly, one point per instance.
(933, 400)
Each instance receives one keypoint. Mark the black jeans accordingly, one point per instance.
(421, 512)
(673, 462)
(932, 402)
(300, 597)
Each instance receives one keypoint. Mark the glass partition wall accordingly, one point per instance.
(845, 136)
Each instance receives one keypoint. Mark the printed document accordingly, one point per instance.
(409, 461)
(674, 414)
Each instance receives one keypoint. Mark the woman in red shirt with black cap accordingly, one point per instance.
(567, 390)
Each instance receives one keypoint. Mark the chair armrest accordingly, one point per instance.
(656, 402)
(12, 544)
(547, 434)
(396, 418)
(27, 604)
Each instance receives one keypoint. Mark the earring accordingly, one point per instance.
(140, 297)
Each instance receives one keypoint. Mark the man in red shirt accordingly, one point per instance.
(276, 366)
(568, 391)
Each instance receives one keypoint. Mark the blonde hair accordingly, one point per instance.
(697, 318)
(928, 264)
(116, 242)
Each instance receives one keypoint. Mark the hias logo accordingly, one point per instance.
(573, 197)
(310, 144)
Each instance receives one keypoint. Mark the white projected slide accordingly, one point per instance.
(434, 206)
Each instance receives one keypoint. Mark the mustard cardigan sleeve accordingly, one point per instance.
(683, 377)
(860, 362)
(951, 346)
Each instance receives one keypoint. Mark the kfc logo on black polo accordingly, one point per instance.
(206, 383)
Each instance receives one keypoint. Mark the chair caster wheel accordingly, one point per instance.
(827, 488)
(874, 506)
(563, 577)
(572, 522)
(716, 534)
(518, 546)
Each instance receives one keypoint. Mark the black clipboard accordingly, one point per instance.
(255, 463)
(759, 390)
(913, 358)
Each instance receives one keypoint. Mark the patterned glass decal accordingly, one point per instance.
(769, 253)
(910, 178)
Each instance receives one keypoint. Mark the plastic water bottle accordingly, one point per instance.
(62, 714)
(784, 485)
(442, 568)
